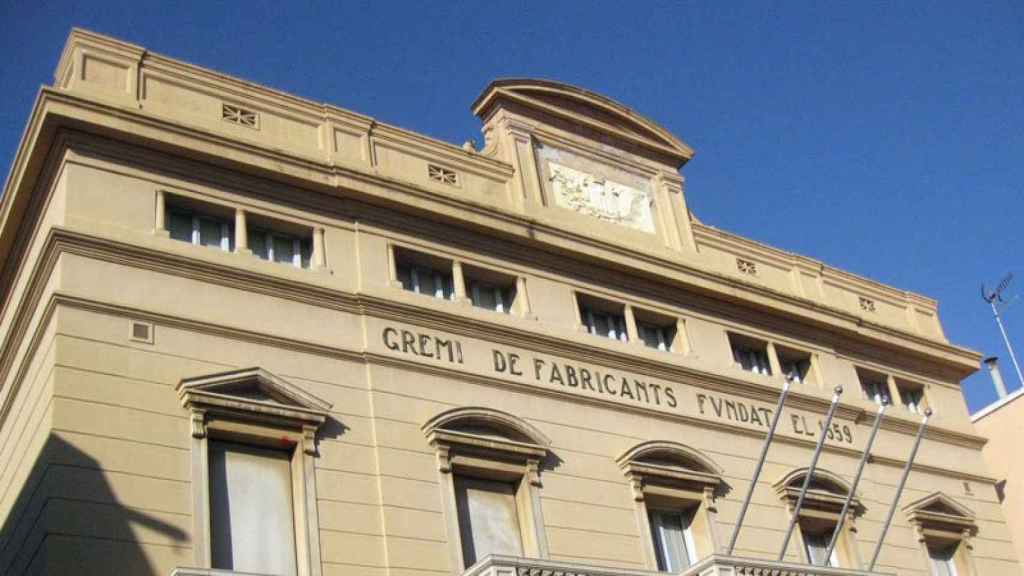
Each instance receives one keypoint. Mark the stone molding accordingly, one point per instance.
(937, 512)
(323, 167)
(266, 399)
(67, 241)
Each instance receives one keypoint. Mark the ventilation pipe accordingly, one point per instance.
(997, 376)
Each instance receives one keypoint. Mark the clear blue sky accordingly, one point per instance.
(882, 138)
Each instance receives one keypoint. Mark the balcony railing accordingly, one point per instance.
(715, 565)
(709, 566)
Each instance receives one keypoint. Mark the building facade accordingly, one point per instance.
(246, 332)
(1002, 424)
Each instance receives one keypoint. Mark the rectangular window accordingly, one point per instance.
(201, 229)
(489, 289)
(277, 246)
(251, 519)
(658, 336)
(816, 544)
(911, 396)
(656, 330)
(750, 354)
(603, 318)
(943, 559)
(488, 518)
(673, 539)
(795, 365)
(424, 274)
(875, 386)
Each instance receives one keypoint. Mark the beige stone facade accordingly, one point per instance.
(1002, 423)
(525, 359)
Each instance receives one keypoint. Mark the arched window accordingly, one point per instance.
(945, 529)
(490, 463)
(819, 516)
(674, 487)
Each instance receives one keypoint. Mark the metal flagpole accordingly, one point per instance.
(899, 490)
(856, 481)
(810, 470)
(757, 470)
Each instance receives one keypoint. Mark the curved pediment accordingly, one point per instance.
(586, 108)
(823, 481)
(487, 422)
(670, 454)
(826, 490)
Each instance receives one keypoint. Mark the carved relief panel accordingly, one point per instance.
(597, 190)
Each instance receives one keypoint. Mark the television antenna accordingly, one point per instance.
(998, 304)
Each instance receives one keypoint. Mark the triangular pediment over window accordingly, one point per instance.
(938, 511)
(252, 394)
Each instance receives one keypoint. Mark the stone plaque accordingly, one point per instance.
(600, 197)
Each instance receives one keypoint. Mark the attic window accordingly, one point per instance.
(239, 115)
(442, 175)
(867, 304)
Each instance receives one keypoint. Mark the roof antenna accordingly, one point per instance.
(998, 304)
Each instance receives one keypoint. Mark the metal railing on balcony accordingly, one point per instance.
(713, 565)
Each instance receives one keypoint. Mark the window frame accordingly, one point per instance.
(300, 259)
(283, 416)
(517, 456)
(505, 287)
(739, 343)
(665, 475)
(882, 381)
(670, 330)
(590, 307)
(235, 221)
(903, 386)
(226, 242)
(823, 506)
(417, 261)
(955, 526)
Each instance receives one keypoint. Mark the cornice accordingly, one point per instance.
(518, 228)
(59, 300)
(65, 241)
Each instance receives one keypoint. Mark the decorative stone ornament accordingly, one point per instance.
(253, 395)
(601, 198)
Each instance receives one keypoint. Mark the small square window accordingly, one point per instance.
(875, 386)
(603, 317)
(201, 224)
(750, 354)
(489, 289)
(277, 246)
(424, 274)
(795, 365)
(911, 396)
(140, 331)
(655, 330)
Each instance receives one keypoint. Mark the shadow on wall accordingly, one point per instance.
(67, 519)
